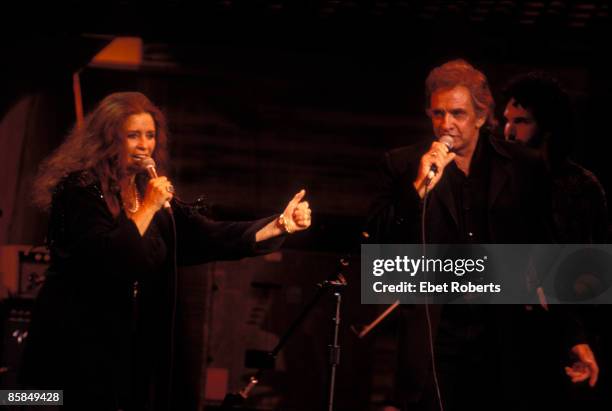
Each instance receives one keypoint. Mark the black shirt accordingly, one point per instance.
(470, 196)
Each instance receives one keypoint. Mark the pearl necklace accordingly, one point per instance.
(136, 204)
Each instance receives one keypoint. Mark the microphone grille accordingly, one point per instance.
(147, 162)
(447, 141)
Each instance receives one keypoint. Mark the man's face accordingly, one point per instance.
(520, 124)
(452, 113)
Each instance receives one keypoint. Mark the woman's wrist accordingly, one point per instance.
(284, 225)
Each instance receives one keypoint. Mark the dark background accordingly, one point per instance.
(266, 97)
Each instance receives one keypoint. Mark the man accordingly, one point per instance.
(485, 191)
(538, 114)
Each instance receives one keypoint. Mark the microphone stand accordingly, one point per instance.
(334, 348)
(336, 282)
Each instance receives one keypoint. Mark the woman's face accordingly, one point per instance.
(139, 138)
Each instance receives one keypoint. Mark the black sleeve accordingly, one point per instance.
(573, 318)
(543, 225)
(200, 239)
(394, 213)
(599, 213)
(570, 320)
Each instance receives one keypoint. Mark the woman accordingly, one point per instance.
(103, 323)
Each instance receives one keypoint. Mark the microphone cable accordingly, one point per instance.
(174, 307)
(198, 206)
(427, 313)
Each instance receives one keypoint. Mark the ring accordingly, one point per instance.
(170, 189)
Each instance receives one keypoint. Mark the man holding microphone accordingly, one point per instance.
(485, 190)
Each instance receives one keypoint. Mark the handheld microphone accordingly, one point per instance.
(433, 170)
(149, 164)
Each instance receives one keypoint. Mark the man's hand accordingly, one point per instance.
(439, 155)
(585, 368)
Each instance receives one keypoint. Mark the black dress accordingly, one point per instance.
(102, 323)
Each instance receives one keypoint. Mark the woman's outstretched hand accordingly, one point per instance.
(296, 217)
(297, 214)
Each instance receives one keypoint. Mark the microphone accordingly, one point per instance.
(149, 164)
(448, 142)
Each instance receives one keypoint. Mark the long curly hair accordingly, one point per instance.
(97, 148)
(461, 73)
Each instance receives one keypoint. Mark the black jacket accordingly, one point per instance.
(518, 211)
(518, 199)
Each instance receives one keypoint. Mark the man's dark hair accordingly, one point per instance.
(550, 107)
